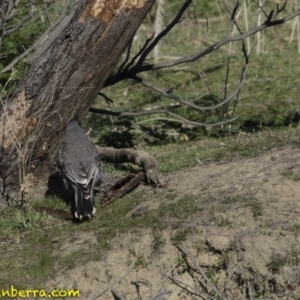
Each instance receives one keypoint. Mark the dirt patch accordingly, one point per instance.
(243, 232)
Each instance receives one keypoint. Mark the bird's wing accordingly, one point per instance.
(82, 174)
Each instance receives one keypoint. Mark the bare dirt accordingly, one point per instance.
(244, 234)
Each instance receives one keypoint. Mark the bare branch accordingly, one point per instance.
(190, 104)
(162, 111)
(139, 52)
(242, 76)
(168, 95)
(138, 68)
(234, 10)
(126, 59)
(126, 114)
(220, 43)
(199, 124)
(147, 49)
(17, 26)
(233, 14)
(175, 21)
(57, 23)
(261, 8)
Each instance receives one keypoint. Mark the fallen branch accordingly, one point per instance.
(123, 187)
(139, 158)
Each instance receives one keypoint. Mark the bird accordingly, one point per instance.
(80, 167)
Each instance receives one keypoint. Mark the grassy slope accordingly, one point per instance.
(29, 240)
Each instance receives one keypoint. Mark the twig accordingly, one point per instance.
(249, 290)
(107, 288)
(68, 246)
(61, 271)
(176, 116)
(18, 58)
(242, 36)
(88, 132)
(162, 295)
(123, 114)
(138, 53)
(200, 271)
(17, 26)
(195, 291)
(116, 295)
(175, 21)
(168, 95)
(243, 76)
(189, 103)
(126, 58)
(143, 53)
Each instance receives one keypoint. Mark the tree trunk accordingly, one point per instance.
(62, 83)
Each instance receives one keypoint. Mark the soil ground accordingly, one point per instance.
(242, 230)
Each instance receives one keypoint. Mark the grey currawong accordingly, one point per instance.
(80, 166)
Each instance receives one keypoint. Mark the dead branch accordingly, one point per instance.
(128, 114)
(139, 67)
(168, 28)
(123, 187)
(17, 26)
(58, 26)
(189, 103)
(146, 49)
(164, 111)
(139, 158)
(244, 71)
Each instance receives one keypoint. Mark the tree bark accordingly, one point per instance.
(62, 83)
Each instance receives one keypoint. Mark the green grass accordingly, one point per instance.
(140, 263)
(177, 156)
(291, 175)
(179, 237)
(256, 208)
(277, 262)
(158, 241)
(291, 258)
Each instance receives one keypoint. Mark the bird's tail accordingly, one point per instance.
(84, 204)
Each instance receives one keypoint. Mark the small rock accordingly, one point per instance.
(140, 211)
(286, 226)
